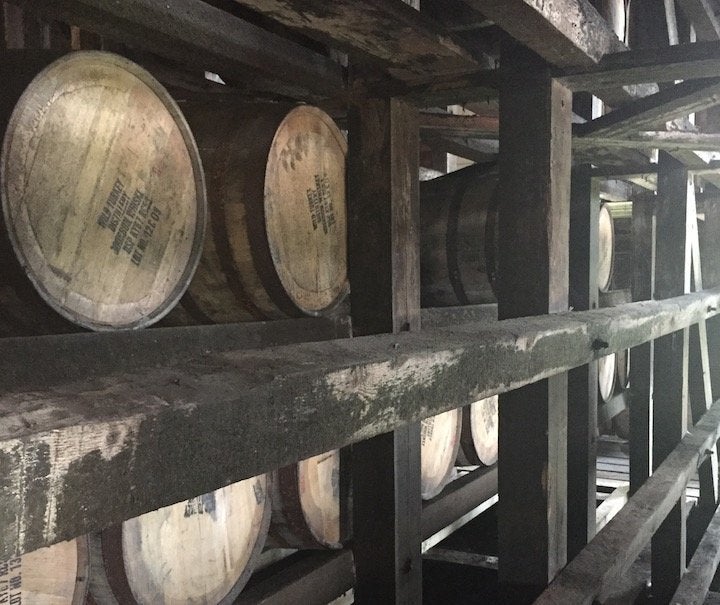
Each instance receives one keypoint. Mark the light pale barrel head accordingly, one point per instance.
(439, 443)
(606, 244)
(198, 551)
(484, 428)
(103, 193)
(606, 376)
(319, 487)
(623, 368)
(305, 210)
(56, 575)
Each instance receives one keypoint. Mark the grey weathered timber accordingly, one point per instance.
(207, 38)
(582, 381)
(652, 111)
(668, 141)
(565, 33)
(459, 557)
(660, 63)
(76, 456)
(701, 14)
(695, 584)
(594, 572)
(643, 234)
(392, 34)
(670, 369)
(384, 268)
(453, 125)
(534, 186)
(445, 317)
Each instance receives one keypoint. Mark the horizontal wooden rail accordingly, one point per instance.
(595, 571)
(80, 456)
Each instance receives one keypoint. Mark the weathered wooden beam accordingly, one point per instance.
(594, 572)
(76, 456)
(457, 125)
(649, 112)
(535, 166)
(565, 33)
(445, 317)
(408, 45)
(207, 38)
(701, 14)
(668, 141)
(656, 64)
(384, 268)
(477, 150)
(695, 584)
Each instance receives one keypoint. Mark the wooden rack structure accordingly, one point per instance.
(99, 428)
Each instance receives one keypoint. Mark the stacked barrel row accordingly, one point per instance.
(121, 211)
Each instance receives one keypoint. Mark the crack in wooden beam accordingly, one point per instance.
(76, 457)
(207, 38)
(594, 572)
(650, 112)
(681, 62)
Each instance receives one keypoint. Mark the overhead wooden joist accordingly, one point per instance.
(207, 38)
(649, 112)
(662, 64)
(668, 141)
(391, 34)
(458, 125)
(595, 571)
(76, 457)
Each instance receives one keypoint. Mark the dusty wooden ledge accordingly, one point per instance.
(596, 570)
(80, 456)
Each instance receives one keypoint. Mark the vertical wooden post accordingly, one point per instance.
(384, 270)
(670, 370)
(710, 253)
(535, 141)
(582, 381)
(643, 233)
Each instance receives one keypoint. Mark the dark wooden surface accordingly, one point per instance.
(596, 570)
(533, 278)
(582, 381)
(384, 268)
(701, 13)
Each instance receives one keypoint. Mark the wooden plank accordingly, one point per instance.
(582, 381)
(658, 63)
(695, 584)
(701, 15)
(535, 113)
(611, 506)
(313, 577)
(476, 150)
(384, 268)
(565, 33)
(649, 112)
(668, 141)
(458, 557)
(596, 570)
(453, 125)
(444, 317)
(77, 455)
(395, 36)
(207, 38)
(670, 369)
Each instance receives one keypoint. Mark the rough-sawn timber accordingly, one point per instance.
(80, 456)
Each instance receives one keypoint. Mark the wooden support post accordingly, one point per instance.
(670, 367)
(384, 268)
(582, 381)
(643, 233)
(533, 279)
(710, 254)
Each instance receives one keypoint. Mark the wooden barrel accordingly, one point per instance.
(458, 222)
(606, 248)
(622, 373)
(201, 551)
(56, 575)
(306, 503)
(606, 376)
(479, 437)
(276, 191)
(102, 191)
(439, 445)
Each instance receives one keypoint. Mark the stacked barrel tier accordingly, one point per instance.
(479, 437)
(56, 575)
(306, 503)
(103, 199)
(201, 551)
(277, 246)
(458, 239)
